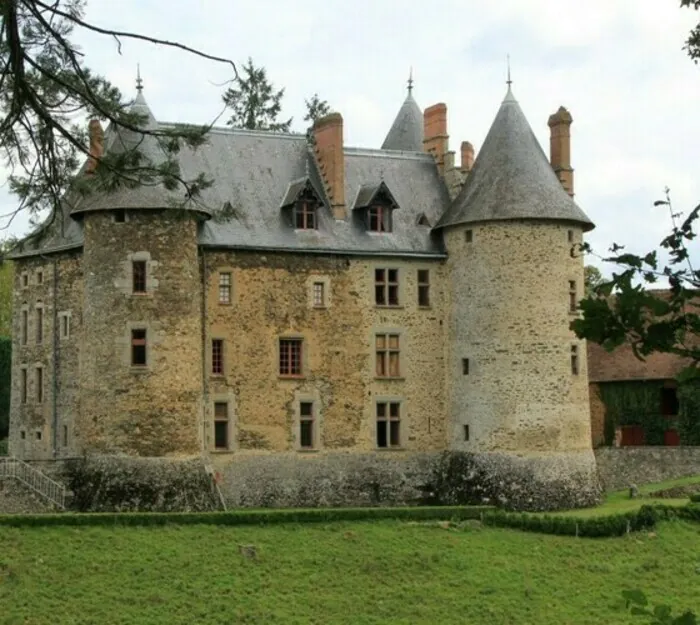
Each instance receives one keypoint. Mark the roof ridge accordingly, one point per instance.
(383, 153)
(240, 131)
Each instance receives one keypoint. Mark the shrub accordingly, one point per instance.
(695, 498)
(119, 484)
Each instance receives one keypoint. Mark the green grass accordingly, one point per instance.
(359, 573)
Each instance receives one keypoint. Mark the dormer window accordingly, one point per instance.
(300, 205)
(305, 214)
(379, 218)
(376, 204)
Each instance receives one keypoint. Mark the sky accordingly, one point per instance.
(617, 65)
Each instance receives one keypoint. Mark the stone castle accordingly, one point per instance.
(319, 301)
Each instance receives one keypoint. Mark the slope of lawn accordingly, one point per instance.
(358, 573)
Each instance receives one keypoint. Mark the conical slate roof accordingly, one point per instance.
(406, 132)
(512, 178)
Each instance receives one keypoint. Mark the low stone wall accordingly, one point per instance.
(16, 498)
(533, 482)
(619, 467)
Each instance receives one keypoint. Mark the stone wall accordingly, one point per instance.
(272, 298)
(619, 467)
(54, 285)
(597, 416)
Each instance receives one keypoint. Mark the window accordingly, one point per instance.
(225, 288)
(217, 357)
(574, 360)
(305, 215)
(290, 357)
(465, 366)
(423, 288)
(319, 295)
(570, 236)
(306, 425)
(468, 236)
(387, 347)
(669, 402)
(379, 218)
(573, 299)
(386, 287)
(466, 432)
(40, 277)
(65, 436)
(38, 435)
(119, 216)
(138, 269)
(388, 424)
(23, 386)
(22, 434)
(64, 326)
(39, 385)
(25, 326)
(221, 425)
(138, 348)
(25, 280)
(39, 324)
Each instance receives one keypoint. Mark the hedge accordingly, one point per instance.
(695, 498)
(266, 516)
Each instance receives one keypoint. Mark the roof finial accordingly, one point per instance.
(139, 82)
(509, 82)
(410, 80)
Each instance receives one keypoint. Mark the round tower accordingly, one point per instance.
(517, 375)
(141, 372)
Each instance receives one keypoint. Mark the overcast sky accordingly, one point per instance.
(617, 65)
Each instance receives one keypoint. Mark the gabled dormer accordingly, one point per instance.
(375, 205)
(301, 204)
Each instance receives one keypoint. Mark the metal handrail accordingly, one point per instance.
(34, 479)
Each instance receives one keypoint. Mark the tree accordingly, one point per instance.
(591, 278)
(692, 45)
(315, 109)
(45, 90)
(623, 310)
(254, 102)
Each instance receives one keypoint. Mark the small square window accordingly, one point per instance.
(468, 236)
(38, 435)
(466, 432)
(138, 348)
(119, 216)
(40, 277)
(22, 434)
(139, 276)
(379, 218)
(465, 366)
(225, 288)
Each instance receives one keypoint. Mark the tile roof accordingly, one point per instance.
(512, 178)
(406, 133)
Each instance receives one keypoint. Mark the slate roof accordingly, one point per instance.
(406, 133)
(512, 178)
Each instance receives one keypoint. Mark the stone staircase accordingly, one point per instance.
(29, 477)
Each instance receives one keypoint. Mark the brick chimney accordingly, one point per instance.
(467, 150)
(560, 148)
(96, 136)
(328, 136)
(435, 135)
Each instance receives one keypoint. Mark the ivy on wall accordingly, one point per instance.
(5, 379)
(689, 412)
(634, 403)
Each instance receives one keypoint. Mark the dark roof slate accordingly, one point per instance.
(368, 192)
(406, 133)
(512, 178)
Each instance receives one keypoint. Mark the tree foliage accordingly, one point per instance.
(624, 310)
(316, 108)
(254, 102)
(591, 278)
(47, 92)
(692, 45)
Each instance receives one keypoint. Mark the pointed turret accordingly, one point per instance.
(512, 178)
(406, 132)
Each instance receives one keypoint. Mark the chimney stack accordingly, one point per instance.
(96, 136)
(467, 156)
(560, 148)
(328, 136)
(435, 133)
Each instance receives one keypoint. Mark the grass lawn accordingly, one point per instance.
(349, 573)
